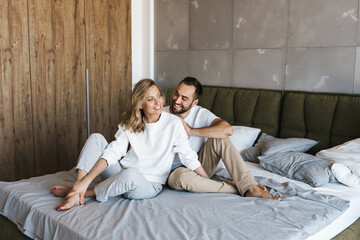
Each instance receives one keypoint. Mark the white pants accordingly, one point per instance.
(128, 182)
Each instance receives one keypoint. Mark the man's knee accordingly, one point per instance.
(178, 177)
(219, 141)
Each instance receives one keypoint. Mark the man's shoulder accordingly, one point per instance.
(201, 110)
(202, 116)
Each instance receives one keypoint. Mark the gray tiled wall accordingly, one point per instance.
(311, 45)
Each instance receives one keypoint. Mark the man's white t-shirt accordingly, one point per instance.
(198, 117)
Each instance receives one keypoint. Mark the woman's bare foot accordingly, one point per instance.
(60, 190)
(69, 202)
(258, 191)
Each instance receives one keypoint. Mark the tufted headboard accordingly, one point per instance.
(331, 118)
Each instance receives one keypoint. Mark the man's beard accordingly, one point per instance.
(182, 110)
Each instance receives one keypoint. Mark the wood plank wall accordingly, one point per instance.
(16, 131)
(45, 47)
(109, 62)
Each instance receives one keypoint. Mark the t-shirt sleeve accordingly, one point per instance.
(187, 155)
(207, 117)
(117, 148)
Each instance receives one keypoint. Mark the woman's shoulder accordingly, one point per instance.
(169, 117)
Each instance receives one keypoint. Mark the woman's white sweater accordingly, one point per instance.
(153, 151)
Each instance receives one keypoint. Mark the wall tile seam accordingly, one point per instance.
(286, 48)
(355, 61)
(357, 51)
(160, 51)
(266, 48)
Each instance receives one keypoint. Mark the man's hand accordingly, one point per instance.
(188, 129)
(200, 170)
(230, 182)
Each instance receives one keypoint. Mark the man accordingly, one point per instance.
(200, 124)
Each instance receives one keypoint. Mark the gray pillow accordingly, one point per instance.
(269, 145)
(250, 154)
(299, 166)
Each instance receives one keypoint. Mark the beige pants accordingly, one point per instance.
(209, 156)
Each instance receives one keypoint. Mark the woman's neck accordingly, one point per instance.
(152, 118)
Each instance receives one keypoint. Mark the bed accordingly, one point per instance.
(331, 210)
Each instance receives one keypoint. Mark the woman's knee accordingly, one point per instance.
(144, 192)
(98, 138)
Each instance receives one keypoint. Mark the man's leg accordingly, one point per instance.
(223, 148)
(216, 148)
(184, 179)
(209, 156)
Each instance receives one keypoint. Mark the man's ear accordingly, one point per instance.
(196, 102)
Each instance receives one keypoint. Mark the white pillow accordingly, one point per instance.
(242, 138)
(347, 154)
(344, 175)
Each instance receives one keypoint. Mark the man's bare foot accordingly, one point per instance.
(263, 187)
(60, 190)
(258, 191)
(69, 202)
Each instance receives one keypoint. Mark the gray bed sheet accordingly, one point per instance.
(171, 215)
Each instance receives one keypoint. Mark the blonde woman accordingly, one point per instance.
(153, 137)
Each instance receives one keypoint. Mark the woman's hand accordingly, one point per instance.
(82, 185)
(79, 188)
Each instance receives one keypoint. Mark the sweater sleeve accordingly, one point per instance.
(117, 148)
(187, 155)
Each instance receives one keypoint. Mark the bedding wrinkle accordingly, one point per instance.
(174, 214)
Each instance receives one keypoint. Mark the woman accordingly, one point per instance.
(153, 137)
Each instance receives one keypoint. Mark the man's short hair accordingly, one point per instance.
(190, 81)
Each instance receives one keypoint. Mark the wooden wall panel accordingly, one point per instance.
(44, 46)
(108, 37)
(16, 135)
(57, 55)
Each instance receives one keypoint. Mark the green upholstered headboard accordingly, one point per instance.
(331, 118)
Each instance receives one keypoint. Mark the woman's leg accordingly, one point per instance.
(74, 200)
(91, 152)
(129, 182)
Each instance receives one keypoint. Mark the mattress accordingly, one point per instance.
(174, 214)
(336, 189)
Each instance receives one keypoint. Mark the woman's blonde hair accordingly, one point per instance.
(133, 117)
